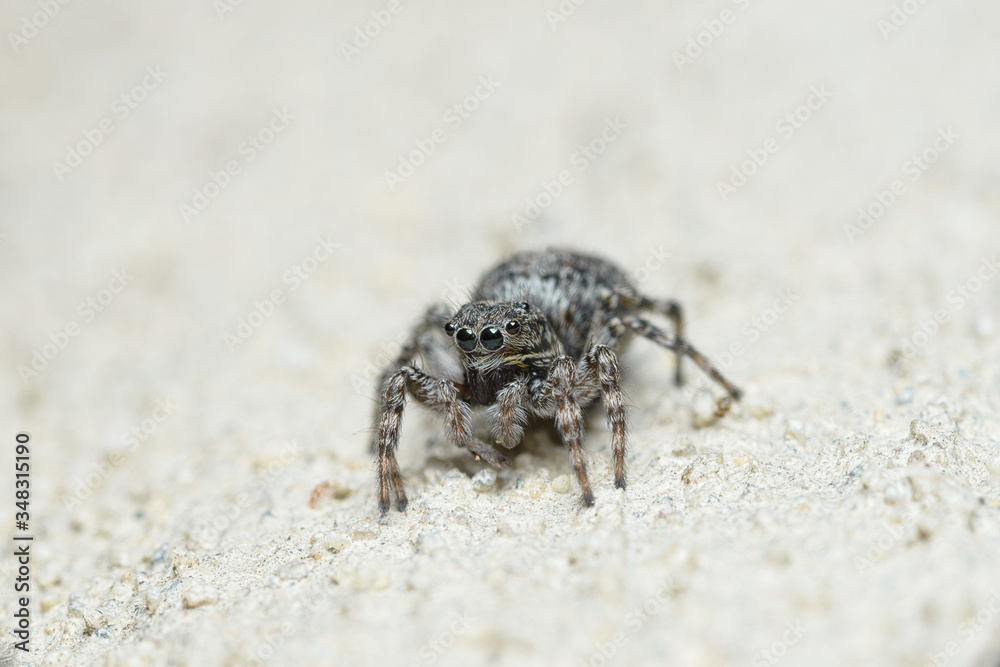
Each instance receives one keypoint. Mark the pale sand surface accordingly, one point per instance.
(846, 513)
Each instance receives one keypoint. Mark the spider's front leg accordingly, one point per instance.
(558, 393)
(601, 366)
(439, 394)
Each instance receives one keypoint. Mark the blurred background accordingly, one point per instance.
(218, 217)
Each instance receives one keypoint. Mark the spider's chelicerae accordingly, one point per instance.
(539, 339)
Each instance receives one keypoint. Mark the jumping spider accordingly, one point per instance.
(540, 338)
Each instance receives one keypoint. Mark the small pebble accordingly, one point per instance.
(918, 432)
(293, 570)
(709, 466)
(159, 556)
(993, 465)
(327, 491)
(485, 480)
(758, 409)
(200, 594)
(898, 491)
(95, 619)
(122, 592)
(984, 325)
(153, 598)
(365, 529)
(322, 544)
(561, 484)
(535, 488)
(76, 606)
(795, 430)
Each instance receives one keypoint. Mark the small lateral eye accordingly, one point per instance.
(524, 306)
(449, 329)
(466, 339)
(513, 327)
(491, 338)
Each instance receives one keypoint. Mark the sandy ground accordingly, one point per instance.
(204, 262)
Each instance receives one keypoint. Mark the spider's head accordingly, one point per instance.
(491, 334)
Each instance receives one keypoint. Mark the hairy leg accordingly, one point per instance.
(675, 312)
(438, 394)
(557, 395)
(419, 342)
(601, 365)
(633, 301)
(681, 346)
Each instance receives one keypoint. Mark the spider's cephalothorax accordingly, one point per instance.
(498, 342)
(540, 339)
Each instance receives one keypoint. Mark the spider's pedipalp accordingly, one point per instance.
(508, 415)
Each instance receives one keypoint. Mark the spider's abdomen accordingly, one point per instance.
(569, 288)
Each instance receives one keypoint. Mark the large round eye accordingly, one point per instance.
(466, 339)
(450, 328)
(513, 327)
(491, 338)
